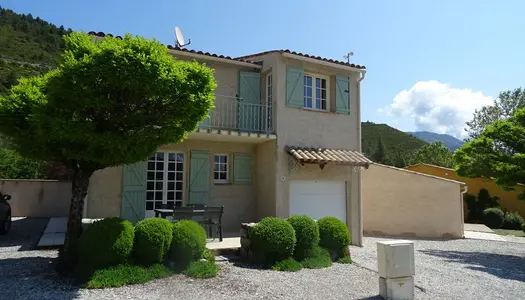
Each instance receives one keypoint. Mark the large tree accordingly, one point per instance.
(110, 102)
(435, 153)
(503, 107)
(482, 157)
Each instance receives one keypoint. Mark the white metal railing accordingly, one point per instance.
(232, 113)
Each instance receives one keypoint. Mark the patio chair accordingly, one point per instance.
(213, 219)
(183, 213)
(196, 205)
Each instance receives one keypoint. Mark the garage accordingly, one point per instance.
(317, 199)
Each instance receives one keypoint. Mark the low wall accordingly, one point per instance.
(398, 202)
(37, 198)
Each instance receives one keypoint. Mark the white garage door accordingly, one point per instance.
(318, 199)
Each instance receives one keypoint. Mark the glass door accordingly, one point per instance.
(165, 181)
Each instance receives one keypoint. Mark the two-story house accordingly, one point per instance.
(284, 139)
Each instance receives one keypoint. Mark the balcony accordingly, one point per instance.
(232, 114)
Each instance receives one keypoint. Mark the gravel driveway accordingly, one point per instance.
(458, 269)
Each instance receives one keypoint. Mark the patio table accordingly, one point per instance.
(164, 212)
(208, 213)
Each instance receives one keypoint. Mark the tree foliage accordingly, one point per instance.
(503, 107)
(482, 157)
(433, 154)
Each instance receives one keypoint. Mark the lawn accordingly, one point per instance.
(519, 233)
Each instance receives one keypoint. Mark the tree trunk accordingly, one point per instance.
(79, 187)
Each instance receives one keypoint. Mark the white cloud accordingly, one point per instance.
(437, 107)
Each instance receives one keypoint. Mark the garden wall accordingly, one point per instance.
(37, 198)
(398, 202)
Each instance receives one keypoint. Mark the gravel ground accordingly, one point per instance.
(461, 269)
(457, 269)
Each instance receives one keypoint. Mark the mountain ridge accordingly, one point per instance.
(451, 142)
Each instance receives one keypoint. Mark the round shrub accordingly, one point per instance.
(523, 227)
(512, 221)
(105, 243)
(306, 234)
(188, 243)
(493, 217)
(334, 235)
(152, 240)
(272, 239)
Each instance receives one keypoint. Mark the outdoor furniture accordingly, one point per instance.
(213, 219)
(210, 216)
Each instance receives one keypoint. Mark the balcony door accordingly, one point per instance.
(249, 103)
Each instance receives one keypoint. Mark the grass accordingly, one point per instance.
(126, 274)
(202, 269)
(287, 265)
(345, 260)
(518, 233)
(318, 259)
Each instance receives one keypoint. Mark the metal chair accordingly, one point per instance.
(213, 219)
(183, 213)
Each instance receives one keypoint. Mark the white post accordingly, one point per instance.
(395, 265)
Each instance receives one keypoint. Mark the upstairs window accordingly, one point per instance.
(316, 92)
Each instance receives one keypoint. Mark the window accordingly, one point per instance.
(315, 92)
(220, 170)
(165, 181)
(269, 101)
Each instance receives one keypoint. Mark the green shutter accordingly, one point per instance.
(294, 87)
(133, 202)
(250, 100)
(242, 168)
(199, 177)
(342, 95)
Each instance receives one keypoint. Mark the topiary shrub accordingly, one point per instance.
(306, 234)
(523, 227)
(188, 243)
(152, 240)
(334, 236)
(272, 240)
(105, 243)
(512, 220)
(493, 217)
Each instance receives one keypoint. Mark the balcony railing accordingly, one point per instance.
(232, 113)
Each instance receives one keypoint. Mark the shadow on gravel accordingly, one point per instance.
(34, 278)
(24, 234)
(500, 265)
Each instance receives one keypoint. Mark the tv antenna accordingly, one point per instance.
(179, 38)
(347, 56)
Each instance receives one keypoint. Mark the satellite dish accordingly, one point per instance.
(179, 38)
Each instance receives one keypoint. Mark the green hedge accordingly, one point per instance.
(272, 240)
(105, 243)
(306, 234)
(334, 236)
(152, 240)
(188, 243)
(493, 217)
(512, 221)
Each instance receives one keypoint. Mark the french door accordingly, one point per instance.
(164, 181)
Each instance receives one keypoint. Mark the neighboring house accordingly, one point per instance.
(508, 200)
(283, 139)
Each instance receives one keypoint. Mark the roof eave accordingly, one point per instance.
(213, 58)
(322, 62)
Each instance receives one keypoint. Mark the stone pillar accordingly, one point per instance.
(246, 229)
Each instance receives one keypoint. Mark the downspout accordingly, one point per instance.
(464, 190)
(358, 175)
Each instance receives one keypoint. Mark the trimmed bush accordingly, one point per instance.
(103, 244)
(523, 227)
(188, 243)
(317, 259)
(287, 265)
(126, 274)
(334, 236)
(306, 234)
(272, 240)
(512, 220)
(208, 255)
(152, 240)
(202, 269)
(493, 217)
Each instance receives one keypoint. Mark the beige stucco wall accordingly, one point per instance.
(37, 198)
(399, 202)
(265, 170)
(239, 200)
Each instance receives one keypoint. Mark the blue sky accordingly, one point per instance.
(430, 63)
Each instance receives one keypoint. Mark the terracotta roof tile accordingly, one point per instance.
(305, 55)
(323, 156)
(102, 34)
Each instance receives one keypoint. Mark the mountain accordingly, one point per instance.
(451, 142)
(28, 46)
(397, 144)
